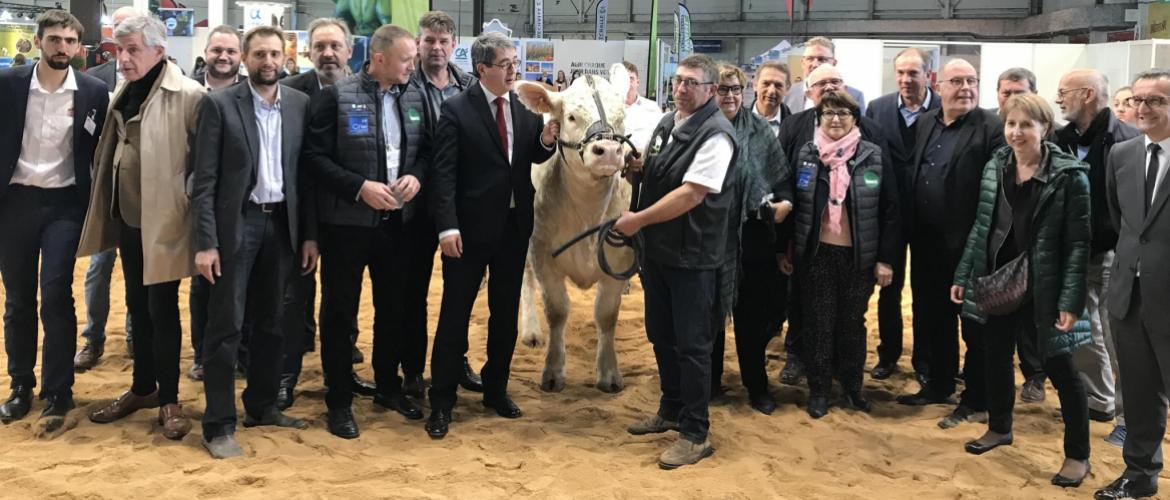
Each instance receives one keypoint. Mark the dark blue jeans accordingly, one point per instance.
(97, 296)
(40, 225)
(679, 306)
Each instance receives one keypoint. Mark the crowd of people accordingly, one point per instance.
(1028, 237)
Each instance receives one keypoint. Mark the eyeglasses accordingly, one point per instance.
(818, 59)
(687, 82)
(1060, 93)
(724, 90)
(836, 82)
(840, 115)
(1153, 101)
(959, 81)
(507, 65)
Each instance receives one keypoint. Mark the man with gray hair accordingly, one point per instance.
(481, 200)
(1092, 130)
(1011, 82)
(330, 45)
(687, 184)
(139, 205)
(818, 50)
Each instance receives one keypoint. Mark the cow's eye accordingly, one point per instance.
(572, 118)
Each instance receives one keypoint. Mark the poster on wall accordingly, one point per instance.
(1156, 21)
(17, 39)
(365, 16)
(538, 60)
(361, 49)
(179, 22)
(263, 14)
(302, 56)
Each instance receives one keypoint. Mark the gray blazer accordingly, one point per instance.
(1143, 240)
(106, 72)
(794, 99)
(225, 156)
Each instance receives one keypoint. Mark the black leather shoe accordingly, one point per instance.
(923, 398)
(357, 357)
(17, 405)
(414, 387)
(274, 418)
(363, 387)
(470, 380)
(793, 371)
(857, 402)
(342, 424)
(1127, 488)
(1067, 482)
(976, 448)
(763, 403)
(883, 371)
(401, 404)
(1100, 416)
(922, 378)
(57, 406)
(437, 423)
(818, 406)
(285, 395)
(504, 407)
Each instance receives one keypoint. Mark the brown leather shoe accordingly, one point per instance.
(126, 404)
(88, 356)
(174, 424)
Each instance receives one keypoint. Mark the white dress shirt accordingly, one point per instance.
(491, 100)
(391, 134)
(46, 149)
(711, 160)
(642, 118)
(773, 121)
(269, 173)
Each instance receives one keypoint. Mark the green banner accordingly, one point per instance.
(652, 70)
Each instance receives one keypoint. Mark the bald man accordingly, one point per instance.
(108, 71)
(818, 51)
(1092, 130)
(952, 145)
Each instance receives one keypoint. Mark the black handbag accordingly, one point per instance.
(1005, 290)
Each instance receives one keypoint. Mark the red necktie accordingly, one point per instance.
(501, 125)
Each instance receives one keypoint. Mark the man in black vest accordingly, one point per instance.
(329, 49)
(364, 136)
(896, 113)
(481, 200)
(952, 145)
(46, 147)
(685, 222)
(1092, 130)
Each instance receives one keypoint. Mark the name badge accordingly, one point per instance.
(358, 122)
(805, 175)
(90, 125)
(412, 114)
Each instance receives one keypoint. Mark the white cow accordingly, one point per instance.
(578, 188)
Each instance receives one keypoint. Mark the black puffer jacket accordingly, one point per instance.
(872, 204)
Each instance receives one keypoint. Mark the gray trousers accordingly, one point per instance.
(1097, 361)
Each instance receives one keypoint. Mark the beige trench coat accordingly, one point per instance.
(167, 119)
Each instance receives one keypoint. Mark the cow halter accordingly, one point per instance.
(598, 130)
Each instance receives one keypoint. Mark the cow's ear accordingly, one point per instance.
(537, 98)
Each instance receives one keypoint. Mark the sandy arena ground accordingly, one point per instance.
(568, 444)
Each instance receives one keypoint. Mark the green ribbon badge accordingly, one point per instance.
(412, 114)
(871, 178)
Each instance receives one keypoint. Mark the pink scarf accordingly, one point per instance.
(836, 156)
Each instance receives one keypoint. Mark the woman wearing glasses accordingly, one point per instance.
(1033, 208)
(847, 230)
(750, 272)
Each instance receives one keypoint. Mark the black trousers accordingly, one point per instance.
(937, 318)
(252, 284)
(1001, 334)
(158, 334)
(1029, 352)
(890, 326)
(461, 280)
(299, 320)
(1143, 354)
(346, 253)
(198, 304)
(679, 306)
(424, 241)
(40, 225)
(762, 289)
(834, 299)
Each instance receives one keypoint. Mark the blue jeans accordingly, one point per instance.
(97, 296)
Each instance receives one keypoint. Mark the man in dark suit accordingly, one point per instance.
(329, 49)
(366, 147)
(1139, 287)
(818, 51)
(794, 133)
(896, 113)
(481, 199)
(952, 145)
(46, 148)
(249, 227)
(222, 54)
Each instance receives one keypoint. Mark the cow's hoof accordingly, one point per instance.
(552, 384)
(611, 386)
(532, 340)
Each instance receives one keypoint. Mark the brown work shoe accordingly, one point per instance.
(653, 424)
(88, 356)
(683, 452)
(126, 404)
(174, 424)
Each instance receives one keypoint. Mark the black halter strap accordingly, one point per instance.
(598, 130)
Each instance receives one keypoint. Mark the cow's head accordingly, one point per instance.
(592, 114)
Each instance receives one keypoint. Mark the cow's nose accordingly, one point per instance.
(598, 150)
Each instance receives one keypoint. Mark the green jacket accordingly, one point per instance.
(1060, 245)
